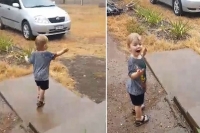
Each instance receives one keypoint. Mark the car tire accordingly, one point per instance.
(26, 31)
(153, 1)
(177, 7)
(2, 26)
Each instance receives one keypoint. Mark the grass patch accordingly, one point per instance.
(5, 44)
(179, 29)
(21, 53)
(151, 17)
(133, 26)
(12, 71)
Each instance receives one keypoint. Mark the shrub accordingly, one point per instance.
(151, 17)
(5, 44)
(179, 29)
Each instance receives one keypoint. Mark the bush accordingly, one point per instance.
(133, 26)
(5, 44)
(179, 29)
(150, 16)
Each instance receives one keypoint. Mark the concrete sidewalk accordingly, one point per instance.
(62, 105)
(179, 73)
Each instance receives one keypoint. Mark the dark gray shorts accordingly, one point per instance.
(137, 100)
(44, 85)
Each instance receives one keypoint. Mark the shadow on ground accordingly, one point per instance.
(89, 74)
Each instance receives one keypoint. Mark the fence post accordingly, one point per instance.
(63, 1)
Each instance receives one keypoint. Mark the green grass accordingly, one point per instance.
(24, 52)
(179, 29)
(5, 44)
(151, 17)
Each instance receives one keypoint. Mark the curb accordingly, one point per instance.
(29, 125)
(186, 115)
(33, 128)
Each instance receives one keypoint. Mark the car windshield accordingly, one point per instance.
(37, 3)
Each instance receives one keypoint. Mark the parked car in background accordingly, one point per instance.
(33, 17)
(112, 9)
(181, 6)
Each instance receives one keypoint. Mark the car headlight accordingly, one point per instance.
(41, 19)
(67, 17)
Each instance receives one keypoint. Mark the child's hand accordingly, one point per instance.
(140, 72)
(66, 50)
(26, 58)
(144, 51)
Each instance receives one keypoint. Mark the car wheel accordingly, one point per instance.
(153, 1)
(27, 32)
(2, 26)
(177, 7)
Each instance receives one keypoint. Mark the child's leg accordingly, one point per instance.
(41, 97)
(138, 111)
(140, 119)
(38, 92)
(38, 89)
(44, 85)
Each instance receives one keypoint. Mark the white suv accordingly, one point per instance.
(34, 17)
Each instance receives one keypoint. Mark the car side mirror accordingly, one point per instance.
(15, 5)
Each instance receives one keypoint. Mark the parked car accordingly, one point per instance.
(181, 6)
(112, 9)
(33, 17)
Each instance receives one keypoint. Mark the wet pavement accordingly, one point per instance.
(164, 116)
(88, 68)
(9, 121)
(62, 105)
(89, 123)
(178, 71)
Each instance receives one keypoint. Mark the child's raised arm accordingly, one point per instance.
(59, 53)
(144, 51)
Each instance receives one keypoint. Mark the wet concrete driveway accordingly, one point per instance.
(62, 106)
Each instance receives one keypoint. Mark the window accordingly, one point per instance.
(7, 2)
(37, 3)
(2, 1)
(15, 1)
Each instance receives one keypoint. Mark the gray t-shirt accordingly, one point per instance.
(136, 86)
(41, 62)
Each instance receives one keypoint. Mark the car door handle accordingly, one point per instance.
(8, 8)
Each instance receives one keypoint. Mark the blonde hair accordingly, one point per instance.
(41, 41)
(133, 37)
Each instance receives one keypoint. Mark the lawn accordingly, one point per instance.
(86, 38)
(155, 37)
